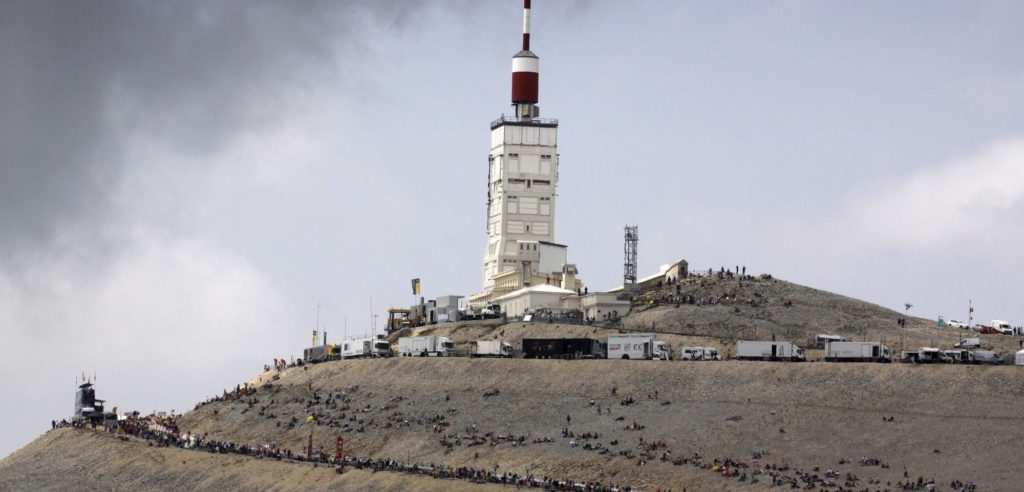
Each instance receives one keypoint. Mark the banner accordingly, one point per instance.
(415, 286)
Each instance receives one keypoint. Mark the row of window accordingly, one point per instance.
(516, 156)
(529, 205)
(534, 228)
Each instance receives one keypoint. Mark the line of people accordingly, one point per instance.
(163, 431)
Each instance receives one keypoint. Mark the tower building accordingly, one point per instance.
(521, 182)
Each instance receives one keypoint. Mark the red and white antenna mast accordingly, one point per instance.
(525, 74)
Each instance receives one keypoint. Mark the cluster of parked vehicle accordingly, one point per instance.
(357, 348)
(994, 327)
(648, 347)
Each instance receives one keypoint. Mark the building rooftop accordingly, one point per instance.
(536, 288)
(516, 121)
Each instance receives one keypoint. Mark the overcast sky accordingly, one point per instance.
(182, 183)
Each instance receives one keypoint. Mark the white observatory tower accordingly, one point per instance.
(521, 182)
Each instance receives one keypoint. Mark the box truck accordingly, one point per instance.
(756, 350)
(427, 346)
(564, 348)
(857, 352)
(644, 347)
(492, 348)
(365, 347)
(699, 353)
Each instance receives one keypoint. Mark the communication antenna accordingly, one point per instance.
(629, 274)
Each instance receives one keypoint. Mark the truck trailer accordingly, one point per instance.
(643, 347)
(428, 346)
(321, 353)
(857, 352)
(564, 348)
(492, 348)
(756, 350)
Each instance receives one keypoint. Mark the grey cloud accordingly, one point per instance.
(189, 74)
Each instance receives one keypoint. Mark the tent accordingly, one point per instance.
(1020, 358)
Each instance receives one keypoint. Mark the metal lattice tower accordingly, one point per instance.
(629, 276)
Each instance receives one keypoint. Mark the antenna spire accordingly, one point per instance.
(526, 25)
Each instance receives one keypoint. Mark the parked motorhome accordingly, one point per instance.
(699, 353)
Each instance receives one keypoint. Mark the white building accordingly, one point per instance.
(530, 299)
(522, 177)
(599, 305)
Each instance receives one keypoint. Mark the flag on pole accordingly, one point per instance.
(415, 286)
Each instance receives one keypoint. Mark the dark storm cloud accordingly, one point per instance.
(190, 75)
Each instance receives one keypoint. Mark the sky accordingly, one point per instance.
(183, 183)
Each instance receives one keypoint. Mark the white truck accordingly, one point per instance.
(482, 311)
(968, 343)
(1002, 327)
(756, 350)
(857, 352)
(426, 346)
(699, 353)
(643, 347)
(365, 347)
(492, 348)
